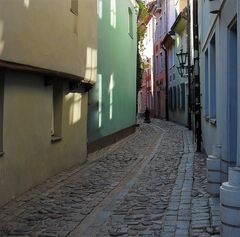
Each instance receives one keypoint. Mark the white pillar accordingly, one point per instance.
(213, 171)
(230, 204)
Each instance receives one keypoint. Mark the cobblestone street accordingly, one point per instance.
(149, 184)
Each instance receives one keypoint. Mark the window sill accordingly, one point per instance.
(56, 139)
(131, 35)
(1, 153)
(207, 118)
(213, 122)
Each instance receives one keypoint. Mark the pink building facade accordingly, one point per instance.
(164, 55)
(146, 94)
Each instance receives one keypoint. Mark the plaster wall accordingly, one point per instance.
(29, 156)
(148, 55)
(48, 35)
(112, 102)
(179, 115)
(218, 134)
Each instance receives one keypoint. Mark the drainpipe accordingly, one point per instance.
(189, 66)
(197, 102)
(166, 88)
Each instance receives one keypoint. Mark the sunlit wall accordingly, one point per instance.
(112, 102)
(70, 45)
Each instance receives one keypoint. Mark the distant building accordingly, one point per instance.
(161, 16)
(47, 65)
(176, 41)
(146, 94)
(112, 101)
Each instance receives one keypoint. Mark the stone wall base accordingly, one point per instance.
(230, 204)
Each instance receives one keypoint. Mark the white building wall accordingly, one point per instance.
(217, 134)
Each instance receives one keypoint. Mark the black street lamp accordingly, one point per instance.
(182, 58)
(180, 71)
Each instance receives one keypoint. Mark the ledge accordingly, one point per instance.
(55, 139)
(46, 72)
(110, 139)
(131, 35)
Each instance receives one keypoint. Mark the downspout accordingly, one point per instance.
(166, 88)
(198, 128)
(189, 66)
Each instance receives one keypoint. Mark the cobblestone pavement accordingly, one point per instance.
(205, 216)
(141, 186)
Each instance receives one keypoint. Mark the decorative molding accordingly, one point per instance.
(50, 75)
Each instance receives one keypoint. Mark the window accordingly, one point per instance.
(178, 97)
(74, 7)
(57, 100)
(149, 32)
(160, 26)
(173, 55)
(156, 65)
(161, 62)
(170, 98)
(183, 96)
(169, 60)
(174, 98)
(206, 86)
(130, 22)
(212, 78)
(1, 110)
(232, 85)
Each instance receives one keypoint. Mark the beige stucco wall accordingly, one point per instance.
(30, 157)
(44, 33)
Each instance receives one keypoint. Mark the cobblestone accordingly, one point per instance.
(146, 202)
(149, 184)
(205, 209)
(56, 207)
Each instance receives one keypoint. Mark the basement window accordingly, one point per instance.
(74, 7)
(57, 102)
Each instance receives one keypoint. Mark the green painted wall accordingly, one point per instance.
(111, 110)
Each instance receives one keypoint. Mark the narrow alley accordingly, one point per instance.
(119, 118)
(141, 186)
